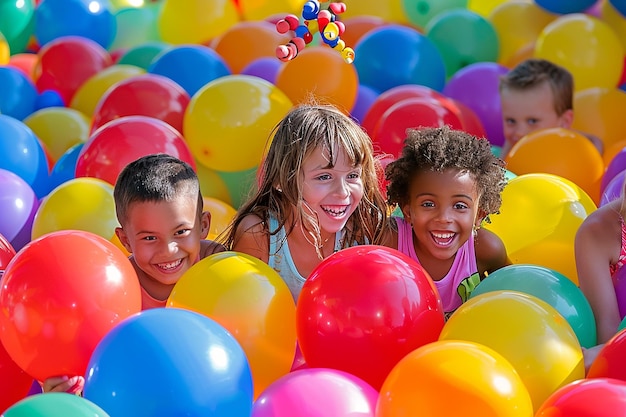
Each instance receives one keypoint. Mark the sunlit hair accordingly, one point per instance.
(440, 149)
(305, 129)
(532, 72)
(154, 178)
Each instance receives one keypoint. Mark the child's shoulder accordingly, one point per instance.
(209, 247)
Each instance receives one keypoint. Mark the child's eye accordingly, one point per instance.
(149, 238)
(323, 177)
(354, 175)
(428, 204)
(461, 206)
(533, 121)
(509, 122)
(182, 232)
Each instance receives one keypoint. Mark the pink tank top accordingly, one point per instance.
(457, 285)
(148, 302)
(622, 255)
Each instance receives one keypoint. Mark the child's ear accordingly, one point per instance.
(121, 235)
(406, 212)
(567, 119)
(205, 224)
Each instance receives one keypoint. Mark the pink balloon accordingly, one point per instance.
(317, 392)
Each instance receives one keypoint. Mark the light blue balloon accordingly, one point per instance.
(18, 94)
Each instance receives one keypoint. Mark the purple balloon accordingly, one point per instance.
(265, 67)
(365, 97)
(18, 205)
(316, 392)
(617, 165)
(613, 189)
(477, 86)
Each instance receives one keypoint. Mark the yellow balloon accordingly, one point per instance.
(252, 302)
(454, 378)
(195, 21)
(615, 20)
(81, 204)
(528, 332)
(222, 214)
(599, 111)
(88, 95)
(484, 7)
(228, 122)
(391, 11)
(59, 128)
(263, 9)
(518, 23)
(538, 220)
(584, 45)
(5, 53)
(212, 185)
(560, 152)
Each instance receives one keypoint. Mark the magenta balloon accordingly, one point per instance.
(477, 86)
(317, 392)
(18, 204)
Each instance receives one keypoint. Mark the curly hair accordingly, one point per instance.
(440, 149)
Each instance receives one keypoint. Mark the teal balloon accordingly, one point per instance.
(420, 12)
(622, 325)
(463, 37)
(142, 55)
(135, 26)
(55, 404)
(550, 286)
(17, 23)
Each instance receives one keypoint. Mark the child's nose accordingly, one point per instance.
(341, 188)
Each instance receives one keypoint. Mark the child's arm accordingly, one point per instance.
(596, 244)
(490, 252)
(252, 237)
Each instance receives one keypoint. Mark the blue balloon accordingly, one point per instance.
(564, 7)
(92, 19)
(365, 97)
(23, 154)
(65, 167)
(170, 362)
(550, 286)
(394, 55)
(48, 98)
(17, 93)
(191, 66)
(619, 5)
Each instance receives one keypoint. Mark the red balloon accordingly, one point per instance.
(150, 95)
(601, 397)
(16, 383)
(610, 360)
(363, 309)
(121, 141)
(391, 97)
(59, 296)
(65, 63)
(415, 112)
(470, 120)
(6, 254)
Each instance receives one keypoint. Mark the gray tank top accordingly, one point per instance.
(281, 261)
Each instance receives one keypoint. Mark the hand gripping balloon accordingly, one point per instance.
(314, 19)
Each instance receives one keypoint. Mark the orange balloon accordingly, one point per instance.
(600, 111)
(252, 302)
(319, 71)
(561, 152)
(246, 41)
(222, 215)
(454, 378)
(25, 62)
(611, 151)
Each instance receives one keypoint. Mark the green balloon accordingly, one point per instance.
(54, 404)
(142, 55)
(420, 12)
(17, 23)
(463, 37)
(240, 184)
(550, 286)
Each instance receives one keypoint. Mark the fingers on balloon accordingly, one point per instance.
(315, 18)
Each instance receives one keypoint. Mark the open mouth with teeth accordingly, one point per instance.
(335, 211)
(443, 239)
(170, 266)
